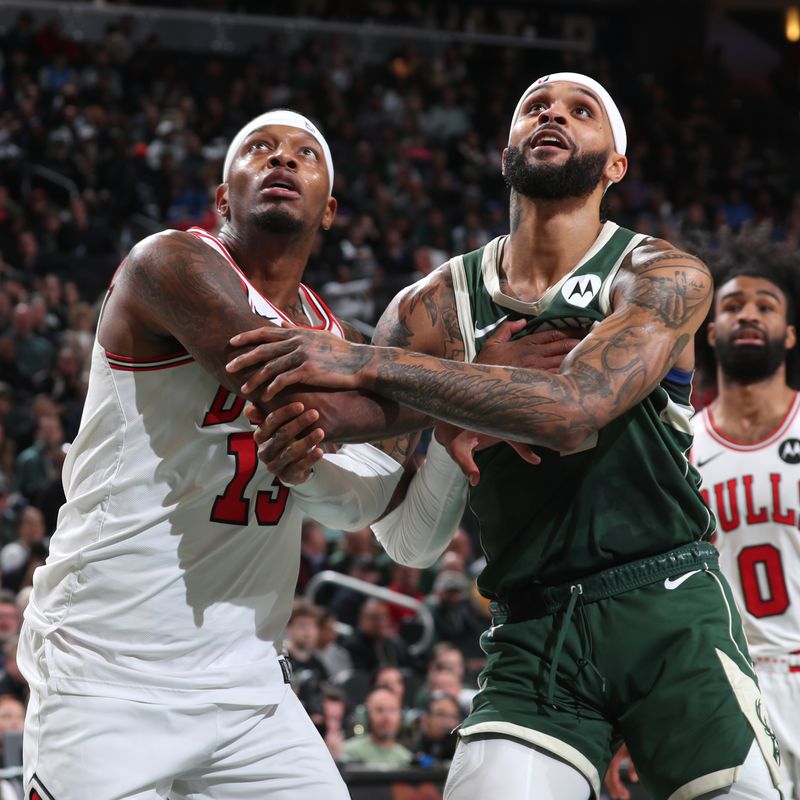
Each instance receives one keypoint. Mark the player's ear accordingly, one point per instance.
(791, 337)
(711, 334)
(503, 161)
(221, 201)
(616, 167)
(329, 215)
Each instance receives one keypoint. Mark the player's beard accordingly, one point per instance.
(577, 177)
(277, 219)
(750, 364)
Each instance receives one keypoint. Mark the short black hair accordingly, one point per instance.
(751, 253)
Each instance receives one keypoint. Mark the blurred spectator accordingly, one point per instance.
(346, 602)
(379, 744)
(334, 712)
(34, 353)
(437, 738)
(7, 454)
(313, 552)
(10, 621)
(308, 671)
(23, 597)
(12, 681)
(393, 680)
(390, 678)
(353, 544)
(372, 644)
(15, 556)
(39, 464)
(10, 505)
(405, 580)
(445, 674)
(333, 656)
(12, 715)
(455, 617)
(12, 721)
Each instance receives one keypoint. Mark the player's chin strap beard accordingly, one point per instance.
(575, 599)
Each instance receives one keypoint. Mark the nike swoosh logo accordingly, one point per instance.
(674, 583)
(479, 332)
(706, 460)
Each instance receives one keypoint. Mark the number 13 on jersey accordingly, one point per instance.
(232, 507)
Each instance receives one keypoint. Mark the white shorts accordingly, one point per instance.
(514, 770)
(781, 689)
(77, 747)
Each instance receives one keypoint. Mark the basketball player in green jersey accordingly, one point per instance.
(611, 619)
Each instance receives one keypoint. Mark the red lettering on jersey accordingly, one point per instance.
(232, 507)
(778, 515)
(271, 503)
(752, 517)
(226, 407)
(776, 599)
(727, 521)
(798, 492)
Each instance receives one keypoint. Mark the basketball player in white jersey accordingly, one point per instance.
(151, 639)
(747, 448)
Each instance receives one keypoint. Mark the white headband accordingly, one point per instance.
(279, 116)
(614, 117)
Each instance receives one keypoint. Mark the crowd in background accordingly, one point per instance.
(136, 136)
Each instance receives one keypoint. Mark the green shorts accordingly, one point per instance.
(663, 666)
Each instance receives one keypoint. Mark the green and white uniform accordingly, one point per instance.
(593, 638)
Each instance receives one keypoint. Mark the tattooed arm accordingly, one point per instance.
(659, 299)
(174, 291)
(421, 317)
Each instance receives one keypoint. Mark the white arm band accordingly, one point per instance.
(418, 531)
(349, 488)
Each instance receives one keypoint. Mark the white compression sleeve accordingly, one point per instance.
(349, 488)
(418, 531)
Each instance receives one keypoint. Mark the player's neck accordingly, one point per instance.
(547, 240)
(750, 412)
(273, 263)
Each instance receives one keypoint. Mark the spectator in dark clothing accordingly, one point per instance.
(313, 553)
(39, 464)
(308, 671)
(14, 556)
(455, 617)
(372, 645)
(345, 602)
(11, 679)
(436, 740)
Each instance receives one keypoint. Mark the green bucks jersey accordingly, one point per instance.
(625, 493)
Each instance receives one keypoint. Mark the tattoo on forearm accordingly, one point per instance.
(611, 375)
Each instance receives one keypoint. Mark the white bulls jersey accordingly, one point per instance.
(754, 491)
(173, 565)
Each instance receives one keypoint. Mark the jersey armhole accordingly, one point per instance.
(463, 307)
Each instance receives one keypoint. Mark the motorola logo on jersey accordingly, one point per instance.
(789, 451)
(580, 289)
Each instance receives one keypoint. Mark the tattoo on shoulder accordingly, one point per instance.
(671, 283)
(189, 291)
(424, 318)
